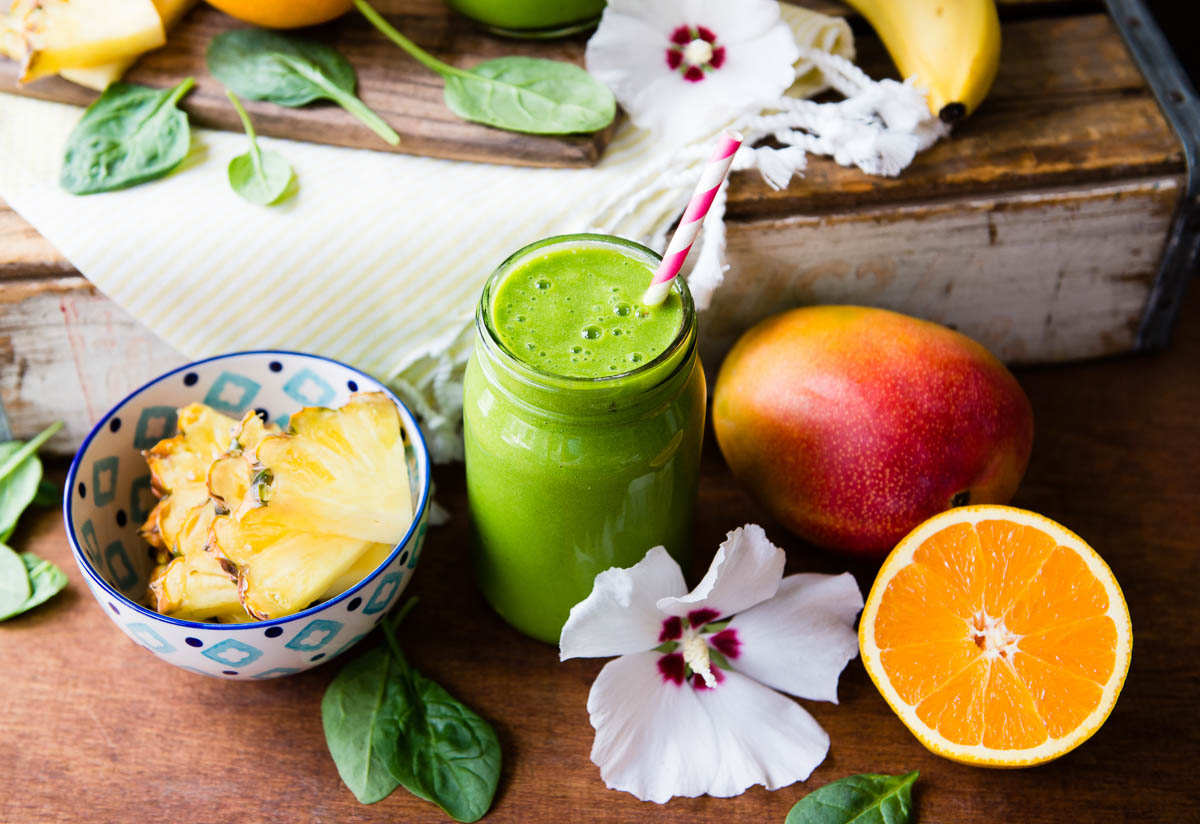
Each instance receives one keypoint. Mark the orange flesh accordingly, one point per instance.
(996, 635)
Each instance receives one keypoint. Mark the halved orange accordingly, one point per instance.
(998, 636)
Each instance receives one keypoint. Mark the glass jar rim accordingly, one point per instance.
(487, 331)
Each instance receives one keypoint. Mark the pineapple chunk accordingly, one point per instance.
(50, 35)
(195, 588)
(364, 566)
(100, 77)
(281, 570)
(341, 472)
(228, 480)
(171, 513)
(204, 435)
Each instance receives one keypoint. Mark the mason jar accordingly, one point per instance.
(568, 476)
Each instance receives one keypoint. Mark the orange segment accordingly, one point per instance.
(1015, 554)
(997, 636)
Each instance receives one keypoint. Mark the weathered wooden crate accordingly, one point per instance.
(1038, 228)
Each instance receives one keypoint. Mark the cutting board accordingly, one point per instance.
(405, 94)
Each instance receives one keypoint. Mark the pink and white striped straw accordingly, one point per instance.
(689, 225)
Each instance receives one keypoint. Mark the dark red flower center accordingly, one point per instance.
(694, 52)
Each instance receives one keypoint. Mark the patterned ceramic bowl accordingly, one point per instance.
(108, 495)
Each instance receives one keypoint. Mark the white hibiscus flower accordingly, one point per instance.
(685, 68)
(690, 708)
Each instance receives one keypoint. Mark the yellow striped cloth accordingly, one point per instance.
(378, 261)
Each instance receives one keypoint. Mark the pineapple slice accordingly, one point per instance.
(195, 588)
(100, 77)
(171, 512)
(204, 435)
(364, 566)
(47, 36)
(281, 570)
(342, 472)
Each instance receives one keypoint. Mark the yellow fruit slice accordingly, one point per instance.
(998, 636)
(51, 35)
(204, 435)
(340, 472)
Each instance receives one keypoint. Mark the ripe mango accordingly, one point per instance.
(853, 425)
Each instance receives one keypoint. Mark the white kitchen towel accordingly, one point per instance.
(378, 261)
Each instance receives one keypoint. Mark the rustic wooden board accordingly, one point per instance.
(1036, 277)
(406, 95)
(97, 729)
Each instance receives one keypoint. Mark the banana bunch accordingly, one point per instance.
(952, 47)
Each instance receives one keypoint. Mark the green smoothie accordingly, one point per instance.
(577, 312)
(531, 17)
(583, 420)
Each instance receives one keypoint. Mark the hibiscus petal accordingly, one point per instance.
(653, 738)
(735, 22)
(800, 640)
(745, 571)
(620, 615)
(763, 737)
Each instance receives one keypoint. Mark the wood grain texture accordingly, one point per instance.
(68, 353)
(406, 95)
(1035, 277)
(97, 729)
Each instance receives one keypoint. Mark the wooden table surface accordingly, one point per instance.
(96, 729)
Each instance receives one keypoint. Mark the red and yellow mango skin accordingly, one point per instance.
(853, 425)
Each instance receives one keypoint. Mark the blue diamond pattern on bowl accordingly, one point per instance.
(383, 594)
(349, 644)
(231, 393)
(141, 499)
(154, 424)
(87, 534)
(309, 389)
(233, 653)
(275, 672)
(150, 639)
(122, 571)
(317, 634)
(104, 480)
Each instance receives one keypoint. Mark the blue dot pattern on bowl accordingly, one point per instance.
(112, 466)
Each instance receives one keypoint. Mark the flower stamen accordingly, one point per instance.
(695, 655)
(697, 53)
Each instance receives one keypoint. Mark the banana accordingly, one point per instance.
(952, 47)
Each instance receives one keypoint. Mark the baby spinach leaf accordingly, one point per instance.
(528, 94)
(360, 726)
(14, 582)
(45, 579)
(520, 94)
(264, 65)
(259, 176)
(388, 725)
(20, 477)
(862, 799)
(130, 135)
(445, 753)
(48, 494)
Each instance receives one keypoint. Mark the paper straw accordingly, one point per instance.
(689, 225)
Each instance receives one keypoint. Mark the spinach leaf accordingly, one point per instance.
(360, 724)
(130, 135)
(14, 582)
(264, 65)
(862, 799)
(48, 494)
(388, 725)
(445, 753)
(520, 94)
(261, 177)
(20, 477)
(45, 580)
